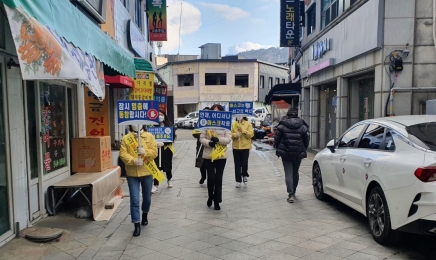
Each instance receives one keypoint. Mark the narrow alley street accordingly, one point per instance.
(255, 222)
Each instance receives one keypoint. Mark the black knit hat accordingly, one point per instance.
(292, 112)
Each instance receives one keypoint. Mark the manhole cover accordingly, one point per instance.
(44, 234)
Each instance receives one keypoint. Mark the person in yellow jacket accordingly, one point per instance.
(242, 132)
(138, 173)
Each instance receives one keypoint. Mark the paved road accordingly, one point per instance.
(255, 222)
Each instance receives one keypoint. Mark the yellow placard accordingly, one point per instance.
(96, 114)
(144, 87)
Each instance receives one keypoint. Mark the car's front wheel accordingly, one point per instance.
(317, 182)
(379, 218)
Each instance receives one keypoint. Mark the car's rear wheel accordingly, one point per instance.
(317, 182)
(379, 219)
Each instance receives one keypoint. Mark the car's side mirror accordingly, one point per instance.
(331, 145)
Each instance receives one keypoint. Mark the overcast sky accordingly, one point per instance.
(239, 25)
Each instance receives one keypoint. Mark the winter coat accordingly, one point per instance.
(244, 141)
(291, 138)
(224, 136)
(149, 144)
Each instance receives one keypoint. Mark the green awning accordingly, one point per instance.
(143, 65)
(76, 28)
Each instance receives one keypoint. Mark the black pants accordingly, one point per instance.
(203, 171)
(215, 172)
(169, 176)
(241, 163)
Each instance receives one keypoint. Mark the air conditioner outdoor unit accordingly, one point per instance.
(430, 107)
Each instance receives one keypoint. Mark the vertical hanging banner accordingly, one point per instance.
(160, 95)
(157, 19)
(289, 23)
(144, 87)
(96, 114)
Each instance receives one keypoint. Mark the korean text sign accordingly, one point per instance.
(160, 95)
(157, 20)
(162, 134)
(289, 23)
(241, 108)
(214, 120)
(144, 87)
(136, 112)
(97, 115)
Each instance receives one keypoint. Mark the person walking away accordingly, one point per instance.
(291, 140)
(199, 151)
(242, 132)
(133, 156)
(167, 152)
(215, 141)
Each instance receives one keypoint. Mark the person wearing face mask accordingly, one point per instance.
(167, 151)
(212, 139)
(133, 154)
(242, 132)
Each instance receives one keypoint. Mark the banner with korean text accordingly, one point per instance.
(209, 119)
(157, 20)
(144, 87)
(160, 95)
(241, 108)
(289, 23)
(162, 134)
(97, 115)
(136, 112)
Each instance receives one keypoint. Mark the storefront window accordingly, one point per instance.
(53, 127)
(4, 200)
(32, 131)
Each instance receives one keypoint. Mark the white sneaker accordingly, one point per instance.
(245, 180)
(238, 185)
(154, 190)
(170, 184)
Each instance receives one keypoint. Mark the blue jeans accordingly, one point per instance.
(134, 182)
(292, 176)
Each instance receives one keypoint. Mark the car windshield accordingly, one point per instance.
(425, 132)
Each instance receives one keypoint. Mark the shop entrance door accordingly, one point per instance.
(35, 202)
(5, 223)
(331, 103)
(366, 99)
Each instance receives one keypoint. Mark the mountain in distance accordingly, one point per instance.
(272, 55)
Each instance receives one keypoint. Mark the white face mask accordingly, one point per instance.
(135, 128)
(161, 118)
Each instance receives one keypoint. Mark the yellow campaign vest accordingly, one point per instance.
(219, 150)
(151, 166)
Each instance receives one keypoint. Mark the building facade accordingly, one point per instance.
(200, 83)
(362, 59)
(42, 103)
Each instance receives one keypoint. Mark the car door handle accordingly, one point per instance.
(343, 158)
(367, 162)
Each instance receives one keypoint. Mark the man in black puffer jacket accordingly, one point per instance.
(291, 140)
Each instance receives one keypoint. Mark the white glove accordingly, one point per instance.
(138, 162)
(160, 144)
(239, 134)
(141, 151)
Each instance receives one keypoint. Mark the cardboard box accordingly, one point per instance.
(91, 154)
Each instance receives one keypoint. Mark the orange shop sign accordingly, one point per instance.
(97, 115)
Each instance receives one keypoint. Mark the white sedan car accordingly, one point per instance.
(386, 169)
